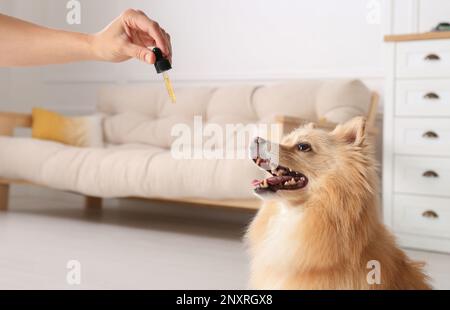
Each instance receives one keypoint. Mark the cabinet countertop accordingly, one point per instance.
(417, 36)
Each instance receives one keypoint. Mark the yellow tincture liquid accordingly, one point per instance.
(169, 87)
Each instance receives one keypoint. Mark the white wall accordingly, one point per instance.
(214, 42)
(227, 41)
(418, 15)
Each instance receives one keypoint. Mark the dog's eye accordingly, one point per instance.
(304, 147)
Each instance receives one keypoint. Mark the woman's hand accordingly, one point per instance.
(129, 36)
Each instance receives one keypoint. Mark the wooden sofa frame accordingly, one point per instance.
(10, 121)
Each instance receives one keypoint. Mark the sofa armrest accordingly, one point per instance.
(9, 121)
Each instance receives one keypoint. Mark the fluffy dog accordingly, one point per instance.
(319, 226)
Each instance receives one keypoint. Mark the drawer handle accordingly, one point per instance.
(430, 135)
(432, 57)
(431, 96)
(430, 174)
(430, 214)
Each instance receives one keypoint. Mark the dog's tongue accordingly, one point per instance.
(256, 182)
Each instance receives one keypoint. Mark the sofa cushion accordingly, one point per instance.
(129, 170)
(335, 100)
(231, 105)
(133, 127)
(340, 100)
(297, 98)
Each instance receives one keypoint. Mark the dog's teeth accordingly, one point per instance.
(286, 183)
(290, 182)
(264, 184)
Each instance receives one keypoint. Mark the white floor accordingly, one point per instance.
(133, 247)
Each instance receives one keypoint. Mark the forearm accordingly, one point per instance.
(27, 44)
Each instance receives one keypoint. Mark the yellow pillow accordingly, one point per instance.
(84, 131)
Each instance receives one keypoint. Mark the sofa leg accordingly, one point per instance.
(93, 203)
(4, 197)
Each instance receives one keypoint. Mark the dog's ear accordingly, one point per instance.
(352, 132)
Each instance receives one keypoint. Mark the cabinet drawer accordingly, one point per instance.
(423, 59)
(422, 175)
(423, 98)
(422, 136)
(422, 215)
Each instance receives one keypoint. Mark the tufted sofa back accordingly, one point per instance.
(144, 114)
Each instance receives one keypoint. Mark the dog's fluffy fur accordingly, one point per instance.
(324, 235)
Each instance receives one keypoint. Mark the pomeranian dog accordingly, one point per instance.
(319, 226)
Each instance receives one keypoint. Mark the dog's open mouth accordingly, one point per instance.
(282, 178)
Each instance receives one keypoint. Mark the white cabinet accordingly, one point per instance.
(422, 215)
(423, 97)
(416, 155)
(422, 175)
(422, 136)
(419, 59)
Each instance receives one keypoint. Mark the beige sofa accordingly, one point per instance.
(136, 161)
